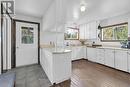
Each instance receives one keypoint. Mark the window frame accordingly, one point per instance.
(71, 38)
(125, 23)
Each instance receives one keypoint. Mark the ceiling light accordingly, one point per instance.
(82, 8)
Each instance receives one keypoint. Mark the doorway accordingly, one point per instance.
(26, 43)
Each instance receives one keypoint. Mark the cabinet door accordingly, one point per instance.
(93, 30)
(100, 56)
(109, 57)
(73, 55)
(128, 61)
(81, 32)
(87, 31)
(78, 53)
(84, 52)
(91, 54)
(121, 60)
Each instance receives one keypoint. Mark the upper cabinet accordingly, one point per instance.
(88, 31)
(93, 30)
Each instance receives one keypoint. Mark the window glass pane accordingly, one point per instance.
(121, 32)
(27, 35)
(72, 34)
(108, 33)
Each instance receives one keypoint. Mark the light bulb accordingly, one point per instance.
(83, 8)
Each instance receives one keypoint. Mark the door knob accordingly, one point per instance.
(17, 47)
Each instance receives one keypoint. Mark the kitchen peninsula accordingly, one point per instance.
(56, 64)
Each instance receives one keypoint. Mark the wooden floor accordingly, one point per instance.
(88, 74)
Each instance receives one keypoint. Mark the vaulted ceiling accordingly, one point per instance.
(34, 8)
(38, 8)
(96, 8)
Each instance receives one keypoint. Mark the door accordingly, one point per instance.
(121, 60)
(26, 43)
(109, 57)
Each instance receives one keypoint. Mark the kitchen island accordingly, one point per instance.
(56, 64)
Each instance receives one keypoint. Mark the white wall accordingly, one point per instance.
(53, 23)
(110, 21)
(27, 18)
(115, 20)
(47, 37)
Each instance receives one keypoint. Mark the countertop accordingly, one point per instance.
(57, 51)
(115, 48)
(63, 50)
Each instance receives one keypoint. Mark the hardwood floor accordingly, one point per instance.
(88, 74)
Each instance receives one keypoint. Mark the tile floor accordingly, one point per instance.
(31, 76)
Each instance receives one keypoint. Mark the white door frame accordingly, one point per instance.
(13, 57)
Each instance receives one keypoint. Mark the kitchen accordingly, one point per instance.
(69, 41)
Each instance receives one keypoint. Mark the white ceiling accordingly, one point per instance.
(95, 8)
(34, 8)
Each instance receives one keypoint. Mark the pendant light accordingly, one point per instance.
(83, 6)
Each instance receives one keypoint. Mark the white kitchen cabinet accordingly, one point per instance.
(93, 30)
(82, 31)
(56, 64)
(88, 31)
(100, 55)
(110, 57)
(78, 52)
(121, 60)
(84, 52)
(91, 54)
(128, 61)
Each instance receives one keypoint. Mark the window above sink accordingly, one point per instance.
(117, 32)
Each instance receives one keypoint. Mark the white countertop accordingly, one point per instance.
(57, 50)
(116, 48)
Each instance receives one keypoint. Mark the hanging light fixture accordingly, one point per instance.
(82, 8)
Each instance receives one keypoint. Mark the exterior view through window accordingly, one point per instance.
(117, 32)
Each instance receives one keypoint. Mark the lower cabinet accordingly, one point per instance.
(115, 58)
(78, 52)
(128, 61)
(91, 54)
(109, 57)
(100, 56)
(121, 61)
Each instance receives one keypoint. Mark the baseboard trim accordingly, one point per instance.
(79, 59)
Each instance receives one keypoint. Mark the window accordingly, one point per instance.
(72, 34)
(116, 32)
(27, 35)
